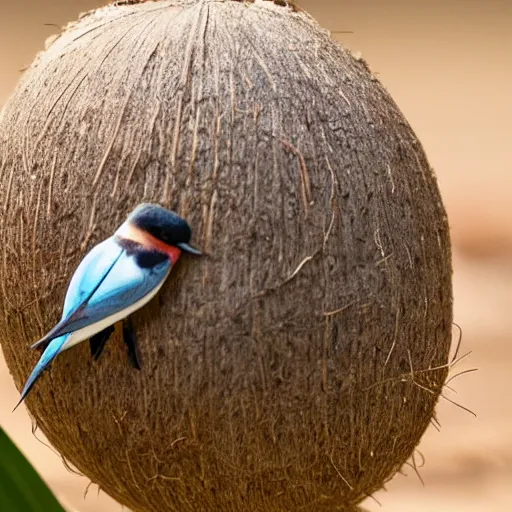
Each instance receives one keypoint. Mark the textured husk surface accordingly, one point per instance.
(298, 365)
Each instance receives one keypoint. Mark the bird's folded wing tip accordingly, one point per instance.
(41, 344)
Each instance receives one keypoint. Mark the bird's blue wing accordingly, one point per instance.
(89, 275)
(108, 280)
(125, 285)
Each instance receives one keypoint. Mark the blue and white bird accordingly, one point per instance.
(116, 278)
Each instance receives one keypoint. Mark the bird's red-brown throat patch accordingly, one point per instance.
(131, 232)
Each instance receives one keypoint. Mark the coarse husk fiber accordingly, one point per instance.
(297, 366)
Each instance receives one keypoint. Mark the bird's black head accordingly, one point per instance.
(163, 224)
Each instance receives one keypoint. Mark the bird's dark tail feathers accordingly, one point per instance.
(51, 352)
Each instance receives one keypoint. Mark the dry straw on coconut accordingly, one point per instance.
(299, 365)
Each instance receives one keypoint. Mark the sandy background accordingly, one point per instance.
(448, 65)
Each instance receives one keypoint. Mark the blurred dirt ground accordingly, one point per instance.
(447, 64)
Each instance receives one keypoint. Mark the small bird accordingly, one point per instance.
(116, 278)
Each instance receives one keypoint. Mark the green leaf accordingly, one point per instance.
(21, 488)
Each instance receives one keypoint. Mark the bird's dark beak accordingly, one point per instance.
(188, 248)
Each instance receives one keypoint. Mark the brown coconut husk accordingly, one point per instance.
(296, 367)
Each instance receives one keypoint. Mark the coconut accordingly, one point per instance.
(297, 365)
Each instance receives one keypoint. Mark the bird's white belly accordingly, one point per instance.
(86, 332)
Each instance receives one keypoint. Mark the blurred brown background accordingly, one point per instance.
(447, 64)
